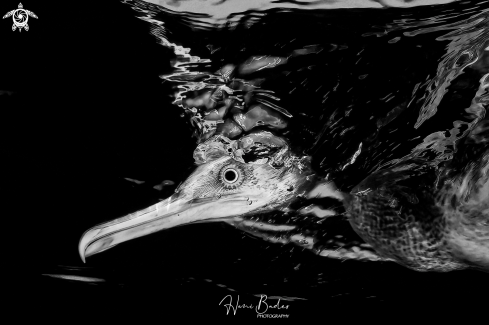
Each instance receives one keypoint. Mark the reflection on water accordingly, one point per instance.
(387, 103)
(217, 11)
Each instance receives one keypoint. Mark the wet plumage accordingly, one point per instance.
(428, 220)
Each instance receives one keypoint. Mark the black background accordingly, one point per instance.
(87, 109)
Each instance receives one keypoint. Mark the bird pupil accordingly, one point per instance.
(230, 175)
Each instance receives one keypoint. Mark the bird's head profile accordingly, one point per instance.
(222, 186)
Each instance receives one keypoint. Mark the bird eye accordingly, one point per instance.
(231, 176)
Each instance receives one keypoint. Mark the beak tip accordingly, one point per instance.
(84, 243)
(81, 251)
(82, 247)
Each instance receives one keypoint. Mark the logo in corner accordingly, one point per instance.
(20, 16)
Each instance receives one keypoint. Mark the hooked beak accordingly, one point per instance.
(169, 213)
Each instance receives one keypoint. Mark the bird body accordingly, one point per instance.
(422, 217)
(414, 226)
(405, 216)
(402, 224)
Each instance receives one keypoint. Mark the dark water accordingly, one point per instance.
(84, 108)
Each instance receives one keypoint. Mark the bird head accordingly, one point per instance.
(223, 186)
